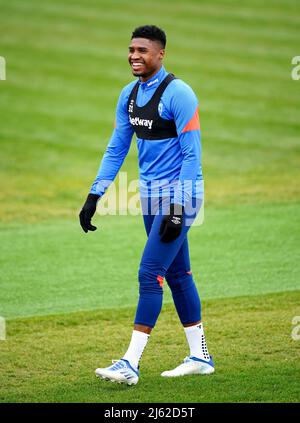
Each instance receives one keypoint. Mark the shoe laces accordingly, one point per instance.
(123, 367)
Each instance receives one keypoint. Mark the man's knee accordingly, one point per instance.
(179, 281)
(150, 280)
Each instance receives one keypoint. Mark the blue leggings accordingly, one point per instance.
(166, 260)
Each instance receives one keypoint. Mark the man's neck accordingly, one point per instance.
(150, 76)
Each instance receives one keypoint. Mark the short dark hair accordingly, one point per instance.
(151, 32)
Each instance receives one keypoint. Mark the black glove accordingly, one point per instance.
(171, 224)
(87, 212)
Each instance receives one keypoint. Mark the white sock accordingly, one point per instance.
(136, 347)
(196, 339)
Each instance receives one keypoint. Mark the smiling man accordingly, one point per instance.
(163, 113)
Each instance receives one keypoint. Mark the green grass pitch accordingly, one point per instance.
(69, 298)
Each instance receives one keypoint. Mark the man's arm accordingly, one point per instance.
(184, 108)
(116, 150)
(111, 162)
(185, 111)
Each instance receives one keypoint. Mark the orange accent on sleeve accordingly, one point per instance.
(193, 124)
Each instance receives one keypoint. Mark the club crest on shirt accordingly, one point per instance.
(160, 108)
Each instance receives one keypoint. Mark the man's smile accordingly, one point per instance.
(136, 65)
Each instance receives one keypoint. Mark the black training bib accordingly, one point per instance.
(145, 120)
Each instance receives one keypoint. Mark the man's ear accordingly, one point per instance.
(162, 54)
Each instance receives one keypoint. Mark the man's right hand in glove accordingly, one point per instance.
(87, 212)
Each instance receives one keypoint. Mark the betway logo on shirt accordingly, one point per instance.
(141, 122)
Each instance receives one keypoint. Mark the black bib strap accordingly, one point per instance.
(161, 88)
(158, 93)
(146, 120)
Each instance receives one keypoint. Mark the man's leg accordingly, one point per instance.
(188, 306)
(140, 334)
(183, 288)
(126, 369)
(156, 258)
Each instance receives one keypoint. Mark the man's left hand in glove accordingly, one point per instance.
(171, 224)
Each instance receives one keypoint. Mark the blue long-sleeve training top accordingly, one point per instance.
(170, 166)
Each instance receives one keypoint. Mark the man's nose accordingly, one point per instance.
(135, 55)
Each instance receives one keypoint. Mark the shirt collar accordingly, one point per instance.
(155, 80)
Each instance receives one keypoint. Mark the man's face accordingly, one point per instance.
(145, 57)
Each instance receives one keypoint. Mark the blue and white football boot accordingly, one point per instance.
(121, 371)
(191, 366)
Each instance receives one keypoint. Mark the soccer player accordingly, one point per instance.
(163, 113)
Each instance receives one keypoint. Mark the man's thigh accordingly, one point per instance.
(159, 256)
